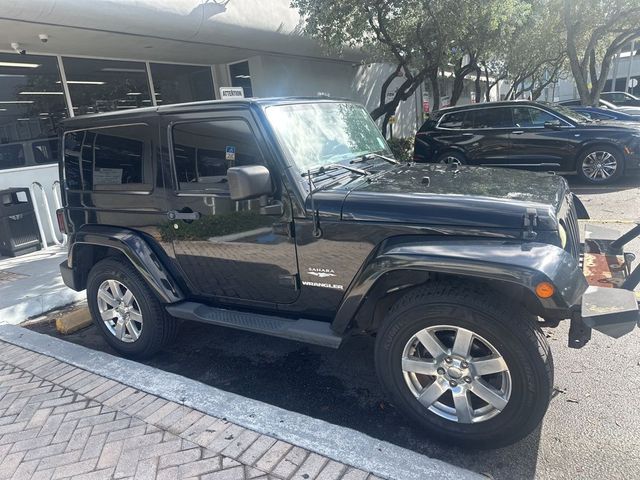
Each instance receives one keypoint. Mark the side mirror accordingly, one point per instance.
(251, 181)
(553, 124)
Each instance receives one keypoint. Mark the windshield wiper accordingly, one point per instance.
(333, 166)
(368, 156)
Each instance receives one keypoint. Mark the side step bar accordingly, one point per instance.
(302, 330)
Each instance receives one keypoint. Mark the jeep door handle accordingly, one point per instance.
(175, 215)
(518, 132)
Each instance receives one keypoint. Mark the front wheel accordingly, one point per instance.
(452, 158)
(600, 165)
(464, 367)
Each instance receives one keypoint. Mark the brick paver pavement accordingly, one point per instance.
(59, 422)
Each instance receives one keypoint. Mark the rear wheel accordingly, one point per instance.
(126, 311)
(464, 367)
(600, 165)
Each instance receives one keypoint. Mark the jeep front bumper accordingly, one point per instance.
(610, 304)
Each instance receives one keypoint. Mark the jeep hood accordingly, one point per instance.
(451, 195)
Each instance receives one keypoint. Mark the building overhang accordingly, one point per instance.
(186, 31)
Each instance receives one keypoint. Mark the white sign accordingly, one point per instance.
(231, 92)
(633, 83)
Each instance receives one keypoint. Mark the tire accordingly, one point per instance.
(595, 164)
(136, 339)
(442, 308)
(449, 158)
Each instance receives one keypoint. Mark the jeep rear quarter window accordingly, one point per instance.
(203, 151)
(108, 158)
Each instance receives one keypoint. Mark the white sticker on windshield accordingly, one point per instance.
(230, 153)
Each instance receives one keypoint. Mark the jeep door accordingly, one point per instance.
(535, 145)
(228, 250)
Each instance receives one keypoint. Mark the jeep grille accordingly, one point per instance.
(570, 223)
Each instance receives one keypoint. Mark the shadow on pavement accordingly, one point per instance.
(627, 182)
(339, 386)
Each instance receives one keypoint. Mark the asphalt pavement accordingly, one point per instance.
(591, 431)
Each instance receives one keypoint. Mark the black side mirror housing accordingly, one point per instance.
(251, 181)
(553, 124)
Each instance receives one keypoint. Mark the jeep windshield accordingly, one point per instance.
(316, 135)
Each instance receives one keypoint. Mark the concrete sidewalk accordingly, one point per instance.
(31, 285)
(61, 421)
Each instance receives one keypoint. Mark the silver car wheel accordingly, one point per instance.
(120, 311)
(468, 382)
(450, 160)
(599, 166)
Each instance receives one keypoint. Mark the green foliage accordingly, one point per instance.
(215, 226)
(402, 148)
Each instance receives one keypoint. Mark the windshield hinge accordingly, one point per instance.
(530, 223)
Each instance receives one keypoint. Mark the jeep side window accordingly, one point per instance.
(203, 151)
(109, 158)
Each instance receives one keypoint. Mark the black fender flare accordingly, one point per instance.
(521, 264)
(137, 250)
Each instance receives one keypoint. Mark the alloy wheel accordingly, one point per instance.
(450, 160)
(599, 166)
(456, 374)
(120, 311)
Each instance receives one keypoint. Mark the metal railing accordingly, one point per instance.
(42, 199)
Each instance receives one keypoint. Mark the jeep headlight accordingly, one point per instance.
(563, 235)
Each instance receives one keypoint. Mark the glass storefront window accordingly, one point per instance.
(31, 105)
(181, 83)
(105, 85)
(241, 77)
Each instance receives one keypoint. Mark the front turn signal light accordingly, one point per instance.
(545, 290)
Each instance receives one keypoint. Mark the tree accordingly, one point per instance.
(481, 30)
(402, 32)
(595, 31)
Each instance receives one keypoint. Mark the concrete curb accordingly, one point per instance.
(339, 443)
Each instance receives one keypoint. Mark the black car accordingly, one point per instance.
(529, 135)
(289, 217)
(621, 99)
(597, 113)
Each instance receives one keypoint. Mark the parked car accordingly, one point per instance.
(621, 99)
(597, 113)
(602, 104)
(288, 217)
(529, 135)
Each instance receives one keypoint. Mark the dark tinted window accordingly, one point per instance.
(32, 103)
(181, 83)
(531, 117)
(204, 151)
(495, 117)
(105, 85)
(11, 156)
(108, 158)
(241, 77)
(454, 120)
(46, 151)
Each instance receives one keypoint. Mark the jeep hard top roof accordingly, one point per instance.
(82, 120)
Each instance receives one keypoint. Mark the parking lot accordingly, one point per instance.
(590, 431)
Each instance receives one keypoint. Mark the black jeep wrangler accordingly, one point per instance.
(290, 217)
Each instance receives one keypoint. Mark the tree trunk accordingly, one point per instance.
(489, 85)
(459, 74)
(478, 88)
(435, 89)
